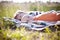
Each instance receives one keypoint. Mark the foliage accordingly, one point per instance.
(8, 11)
(33, 7)
(44, 7)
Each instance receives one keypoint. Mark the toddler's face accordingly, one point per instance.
(19, 16)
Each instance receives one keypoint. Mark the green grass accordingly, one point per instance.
(28, 35)
(8, 11)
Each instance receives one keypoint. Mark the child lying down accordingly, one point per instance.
(33, 20)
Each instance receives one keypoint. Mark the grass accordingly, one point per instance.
(22, 34)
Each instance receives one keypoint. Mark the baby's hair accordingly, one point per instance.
(19, 13)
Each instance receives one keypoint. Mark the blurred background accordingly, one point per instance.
(9, 7)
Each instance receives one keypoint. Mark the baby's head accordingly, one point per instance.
(19, 15)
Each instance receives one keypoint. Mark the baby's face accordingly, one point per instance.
(19, 16)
